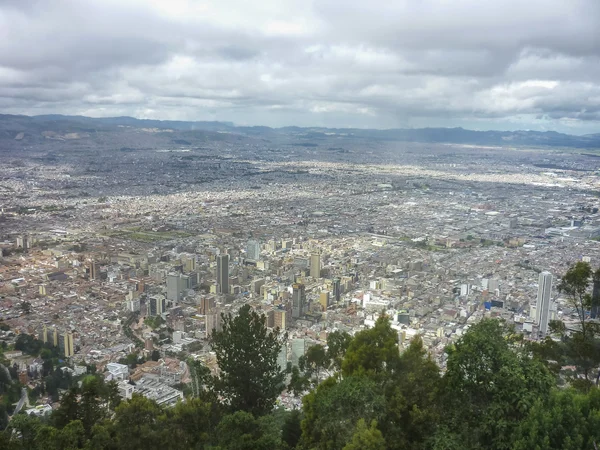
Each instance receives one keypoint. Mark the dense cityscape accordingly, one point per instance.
(319, 232)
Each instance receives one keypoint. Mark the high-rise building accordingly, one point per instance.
(173, 292)
(282, 357)
(65, 344)
(281, 319)
(542, 310)
(94, 271)
(324, 300)
(253, 250)
(298, 300)
(213, 322)
(206, 304)
(315, 265)
(156, 305)
(223, 274)
(23, 242)
(298, 350)
(336, 289)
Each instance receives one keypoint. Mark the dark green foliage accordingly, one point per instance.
(372, 351)
(249, 379)
(336, 406)
(292, 428)
(491, 385)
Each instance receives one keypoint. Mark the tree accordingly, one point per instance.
(412, 394)
(136, 424)
(331, 411)
(337, 344)
(292, 428)
(315, 360)
(25, 307)
(582, 348)
(366, 438)
(241, 431)
(568, 420)
(490, 385)
(249, 379)
(373, 351)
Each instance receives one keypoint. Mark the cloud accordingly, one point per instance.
(507, 63)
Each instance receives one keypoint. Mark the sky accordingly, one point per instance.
(493, 64)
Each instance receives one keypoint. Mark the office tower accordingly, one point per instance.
(543, 301)
(324, 300)
(281, 319)
(315, 265)
(595, 313)
(23, 242)
(298, 350)
(213, 322)
(270, 318)
(43, 334)
(156, 305)
(174, 287)
(336, 290)
(206, 304)
(223, 274)
(65, 344)
(253, 250)
(272, 246)
(282, 357)
(298, 300)
(94, 271)
(54, 337)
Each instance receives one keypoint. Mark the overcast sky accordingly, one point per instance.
(481, 64)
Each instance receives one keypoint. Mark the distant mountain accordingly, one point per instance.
(11, 127)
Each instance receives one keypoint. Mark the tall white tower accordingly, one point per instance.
(542, 310)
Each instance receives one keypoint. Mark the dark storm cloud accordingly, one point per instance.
(331, 62)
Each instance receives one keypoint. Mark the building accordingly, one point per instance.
(116, 371)
(206, 304)
(298, 350)
(281, 319)
(282, 358)
(223, 274)
(156, 305)
(161, 393)
(315, 265)
(175, 286)
(65, 344)
(336, 290)
(23, 242)
(213, 322)
(542, 311)
(324, 300)
(253, 250)
(298, 300)
(94, 271)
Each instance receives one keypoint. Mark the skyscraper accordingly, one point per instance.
(336, 289)
(223, 274)
(213, 322)
(315, 265)
(175, 285)
(542, 310)
(156, 305)
(65, 344)
(253, 250)
(298, 300)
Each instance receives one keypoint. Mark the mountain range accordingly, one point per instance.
(32, 129)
